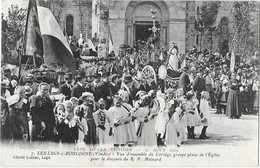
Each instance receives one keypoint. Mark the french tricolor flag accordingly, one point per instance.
(44, 36)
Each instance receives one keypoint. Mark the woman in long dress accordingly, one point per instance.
(233, 107)
(173, 60)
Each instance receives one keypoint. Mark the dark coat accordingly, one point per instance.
(184, 82)
(199, 84)
(67, 134)
(113, 89)
(5, 121)
(101, 91)
(77, 91)
(16, 123)
(42, 111)
(65, 90)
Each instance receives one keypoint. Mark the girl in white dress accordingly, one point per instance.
(182, 114)
(130, 125)
(81, 123)
(117, 117)
(192, 115)
(102, 124)
(172, 124)
(146, 135)
(160, 120)
(205, 115)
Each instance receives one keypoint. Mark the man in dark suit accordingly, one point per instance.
(113, 85)
(184, 80)
(199, 85)
(65, 88)
(79, 87)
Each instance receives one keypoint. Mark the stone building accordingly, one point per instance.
(130, 20)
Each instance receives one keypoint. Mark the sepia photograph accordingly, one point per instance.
(130, 83)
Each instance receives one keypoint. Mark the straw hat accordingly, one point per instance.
(86, 94)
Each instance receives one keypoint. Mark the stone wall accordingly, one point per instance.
(81, 12)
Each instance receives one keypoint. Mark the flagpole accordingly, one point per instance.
(20, 65)
(22, 51)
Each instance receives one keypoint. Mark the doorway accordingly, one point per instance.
(142, 32)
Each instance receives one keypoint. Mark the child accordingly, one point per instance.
(75, 102)
(205, 115)
(67, 129)
(172, 125)
(87, 109)
(182, 114)
(160, 120)
(102, 122)
(146, 135)
(191, 115)
(117, 115)
(130, 125)
(59, 112)
(81, 123)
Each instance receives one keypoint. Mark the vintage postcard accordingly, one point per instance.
(129, 83)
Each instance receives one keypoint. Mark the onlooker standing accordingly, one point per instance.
(66, 88)
(233, 106)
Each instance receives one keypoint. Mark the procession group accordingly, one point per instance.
(127, 110)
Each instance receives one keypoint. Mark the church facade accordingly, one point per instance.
(129, 21)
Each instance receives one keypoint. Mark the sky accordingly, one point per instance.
(7, 3)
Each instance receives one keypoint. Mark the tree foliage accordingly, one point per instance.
(16, 19)
(209, 12)
(207, 15)
(245, 28)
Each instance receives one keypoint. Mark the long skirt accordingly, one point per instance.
(91, 137)
(233, 107)
(171, 138)
(120, 136)
(148, 135)
(131, 133)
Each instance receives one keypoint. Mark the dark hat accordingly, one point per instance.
(98, 75)
(68, 75)
(128, 79)
(4, 85)
(81, 75)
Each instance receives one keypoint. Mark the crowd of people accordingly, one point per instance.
(125, 109)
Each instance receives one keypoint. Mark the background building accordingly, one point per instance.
(129, 20)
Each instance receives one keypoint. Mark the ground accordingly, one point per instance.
(232, 142)
(235, 139)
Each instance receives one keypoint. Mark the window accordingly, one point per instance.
(69, 25)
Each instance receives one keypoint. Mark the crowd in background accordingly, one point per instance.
(124, 109)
